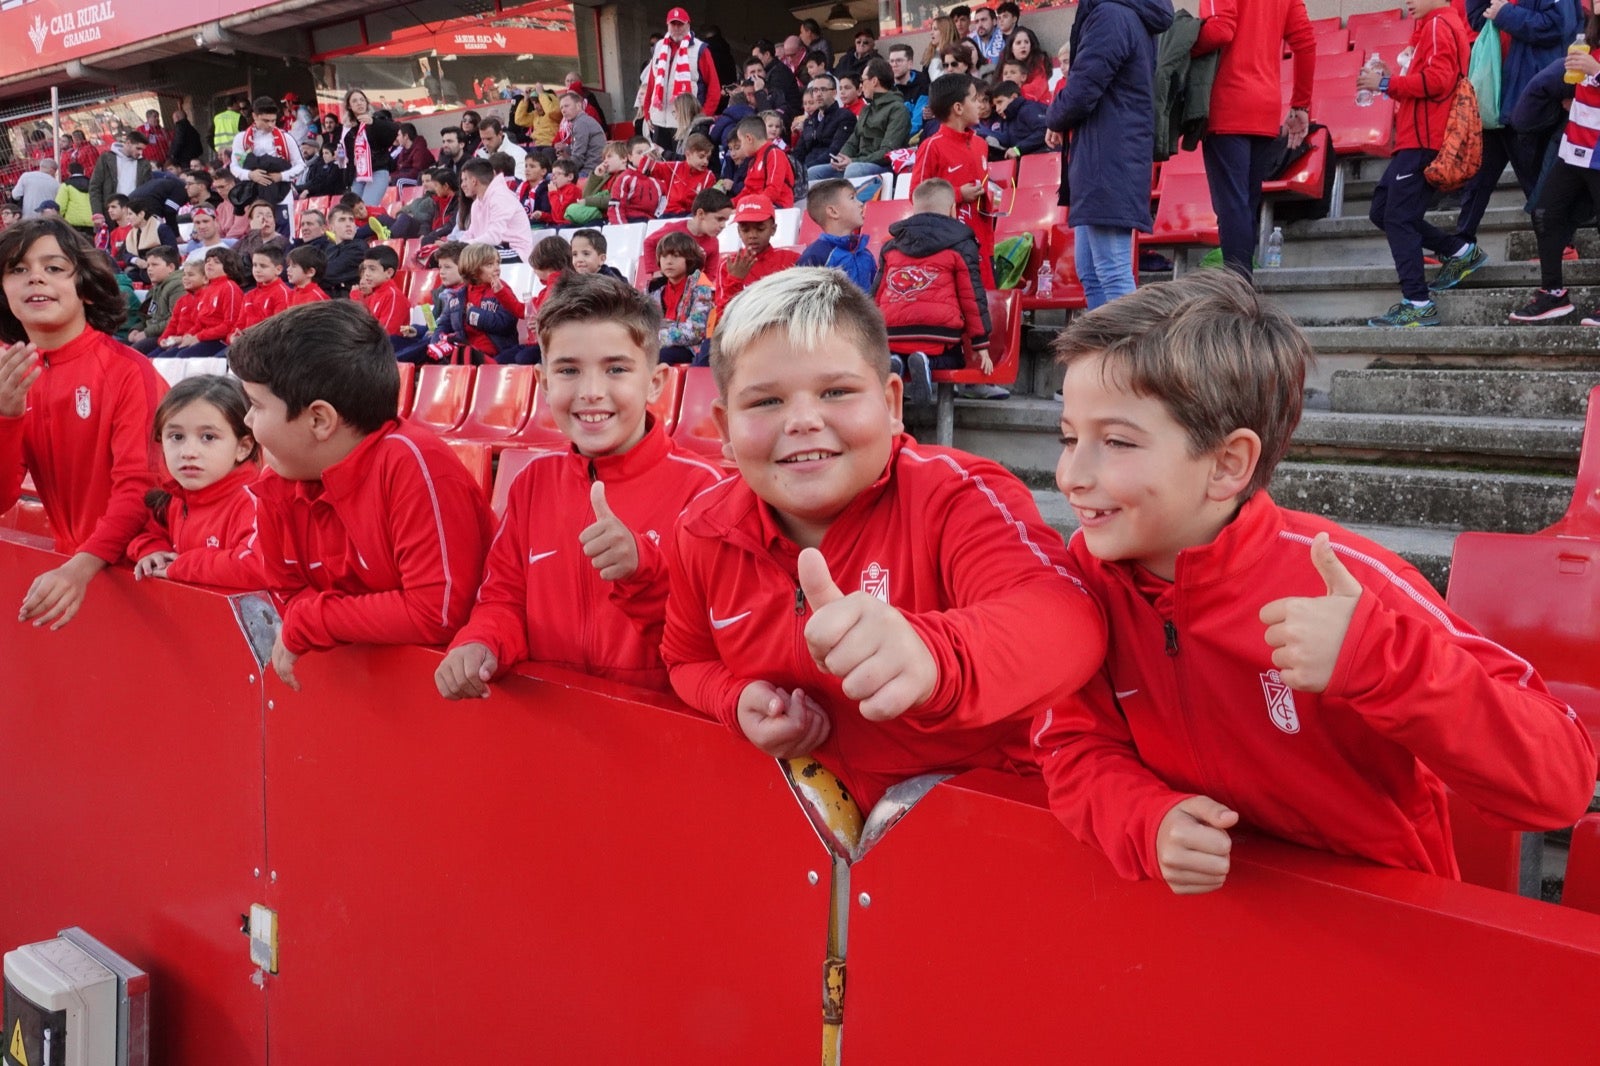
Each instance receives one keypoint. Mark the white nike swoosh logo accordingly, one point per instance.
(724, 623)
(1125, 695)
(1403, 177)
(532, 558)
(953, 169)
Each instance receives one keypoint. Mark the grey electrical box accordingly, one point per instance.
(72, 1001)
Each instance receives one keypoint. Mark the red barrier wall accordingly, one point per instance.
(991, 936)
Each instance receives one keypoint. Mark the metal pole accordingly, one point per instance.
(55, 127)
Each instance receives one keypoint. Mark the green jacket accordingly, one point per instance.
(883, 125)
(1182, 87)
(224, 128)
(158, 305)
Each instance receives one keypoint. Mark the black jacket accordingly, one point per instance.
(823, 135)
(186, 144)
(783, 88)
(380, 139)
(344, 267)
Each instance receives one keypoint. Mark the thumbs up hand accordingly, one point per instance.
(1306, 632)
(866, 643)
(608, 543)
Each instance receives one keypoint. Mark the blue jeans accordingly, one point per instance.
(1104, 257)
(853, 170)
(371, 192)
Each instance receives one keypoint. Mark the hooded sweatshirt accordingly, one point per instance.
(930, 287)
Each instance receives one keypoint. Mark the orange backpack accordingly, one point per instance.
(1461, 154)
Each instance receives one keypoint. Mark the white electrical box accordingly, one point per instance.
(74, 1002)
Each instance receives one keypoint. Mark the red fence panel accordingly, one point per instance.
(131, 756)
(991, 936)
(556, 873)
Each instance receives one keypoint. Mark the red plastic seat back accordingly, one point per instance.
(1488, 855)
(502, 397)
(1582, 888)
(1038, 169)
(1005, 342)
(408, 386)
(512, 462)
(477, 458)
(441, 396)
(696, 429)
(665, 407)
(809, 230)
(1310, 173)
(1355, 130)
(1583, 513)
(881, 214)
(1184, 214)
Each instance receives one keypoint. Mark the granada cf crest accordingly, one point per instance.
(82, 398)
(1280, 702)
(875, 582)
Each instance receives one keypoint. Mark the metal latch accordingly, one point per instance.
(262, 926)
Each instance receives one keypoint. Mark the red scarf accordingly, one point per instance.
(681, 75)
(363, 153)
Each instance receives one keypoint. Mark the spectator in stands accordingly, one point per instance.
(590, 504)
(1246, 101)
(1018, 125)
(679, 64)
(269, 294)
(587, 139)
(591, 102)
(304, 267)
(1179, 402)
(931, 291)
(263, 232)
(850, 97)
(397, 512)
(72, 201)
(909, 83)
(722, 56)
(495, 140)
(488, 311)
(987, 35)
(323, 175)
(36, 186)
(313, 225)
(539, 113)
(535, 191)
(417, 216)
(942, 38)
(833, 206)
(217, 308)
(1006, 16)
(708, 216)
(452, 152)
(883, 126)
(779, 81)
(1534, 34)
(10, 214)
(345, 255)
(264, 155)
(163, 266)
(83, 153)
(1422, 97)
(757, 222)
(121, 170)
(619, 192)
(232, 222)
(1108, 108)
(414, 157)
(368, 139)
(564, 190)
(961, 15)
(682, 182)
(768, 172)
(187, 147)
(808, 349)
(955, 154)
(147, 230)
(448, 207)
(192, 276)
(380, 294)
(226, 124)
(495, 216)
(589, 254)
(686, 297)
(812, 40)
(75, 408)
(471, 136)
(206, 235)
(826, 129)
(424, 346)
(852, 63)
(1023, 47)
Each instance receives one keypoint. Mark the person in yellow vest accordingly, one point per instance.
(226, 125)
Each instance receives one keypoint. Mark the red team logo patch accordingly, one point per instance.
(908, 282)
(1280, 702)
(875, 582)
(82, 398)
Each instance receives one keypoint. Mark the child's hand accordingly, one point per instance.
(1306, 632)
(20, 367)
(1583, 62)
(608, 542)
(408, 331)
(971, 191)
(465, 672)
(135, 336)
(1192, 845)
(1370, 78)
(283, 661)
(188, 339)
(56, 595)
(867, 643)
(739, 266)
(785, 725)
(153, 565)
(985, 362)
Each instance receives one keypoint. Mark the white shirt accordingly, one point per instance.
(252, 140)
(509, 147)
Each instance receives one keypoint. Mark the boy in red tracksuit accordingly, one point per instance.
(769, 173)
(1403, 197)
(217, 306)
(270, 294)
(757, 222)
(1267, 668)
(302, 267)
(181, 322)
(586, 530)
(708, 217)
(564, 192)
(957, 155)
(379, 293)
(370, 529)
(681, 182)
(621, 192)
(890, 608)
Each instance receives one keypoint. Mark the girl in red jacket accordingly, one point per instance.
(220, 304)
(75, 408)
(203, 519)
(181, 324)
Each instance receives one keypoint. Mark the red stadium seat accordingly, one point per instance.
(1331, 24)
(1583, 513)
(539, 431)
(696, 430)
(1034, 210)
(1356, 130)
(410, 193)
(511, 463)
(1582, 889)
(1000, 171)
(502, 400)
(1332, 44)
(1005, 343)
(28, 517)
(1487, 854)
(390, 201)
(399, 247)
(1367, 19)
(442, 393)
(1184, 215)
(408, 385)
(881, 214)
(1343, 66)
(1384, 32)
(621, 131)
(1068, 293)
(809, 230)
(665, 407)
(1041, 168)
(1310, 174)
(477, 458)
(1552, 618)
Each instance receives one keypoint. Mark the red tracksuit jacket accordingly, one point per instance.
(1422, 95)
(952, 540)
(708, 245)
(262, 302)
(387, 304)
(1190, 703)
(181, 324)
(386, 549)
(561, 199)
(768, 262)
(1245, 97)
(213, 531)
(307, 294)
(634, 197)
(770, 174)
(217, 310)
(961, 159)
(85, 437)
(541, 598)
(681, 183)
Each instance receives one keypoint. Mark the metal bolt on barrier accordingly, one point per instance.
(271, 705)
(274, 875)
(864, 899)
(250, 680)
(257, 872)
(811, 877)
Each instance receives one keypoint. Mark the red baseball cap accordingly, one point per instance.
(678, 14)
(753, 208)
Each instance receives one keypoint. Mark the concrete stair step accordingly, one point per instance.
(1360, 190)
(1559, 394)
(1524, 245)
(1458, 307)
(1495, 275)
(1534, 347)
(1354, 241)
(1426, 549)
(1435, 440)
(1413, 497)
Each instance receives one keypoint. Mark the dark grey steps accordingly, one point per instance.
(1559, 394)
(1442, 500)
(1537, 346)
(1548, 445)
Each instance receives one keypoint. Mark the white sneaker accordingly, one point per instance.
(982, 392)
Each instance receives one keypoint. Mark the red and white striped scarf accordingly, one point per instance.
(682, 74)
(1580, 143)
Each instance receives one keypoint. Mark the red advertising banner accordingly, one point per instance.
(42, 33)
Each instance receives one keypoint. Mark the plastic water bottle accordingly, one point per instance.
(1579, 44)
(1364, 96)
(1275, 248)
(1045, 286)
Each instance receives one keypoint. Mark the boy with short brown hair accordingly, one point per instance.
(853, 594)
(1267, 667)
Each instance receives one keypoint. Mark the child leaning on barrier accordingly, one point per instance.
(370, 529)
(893, 608)
(577, 574)
(1267, 668)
